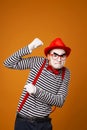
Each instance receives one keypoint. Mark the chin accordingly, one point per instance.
(57, 67)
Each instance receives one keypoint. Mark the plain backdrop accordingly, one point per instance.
(23, 20)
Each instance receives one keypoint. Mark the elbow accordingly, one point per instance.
(61, 104)
(61, 101)
(5, 63)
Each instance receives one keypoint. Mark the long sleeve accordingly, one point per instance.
(16, 60)
(55, 99)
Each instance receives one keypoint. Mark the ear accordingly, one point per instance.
(48, 56)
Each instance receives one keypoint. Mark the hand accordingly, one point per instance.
(34, 44)
(30, 88)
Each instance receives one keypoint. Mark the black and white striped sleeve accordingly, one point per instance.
(52, 99)
(16, 60)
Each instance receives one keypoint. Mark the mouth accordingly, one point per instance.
(57, 62)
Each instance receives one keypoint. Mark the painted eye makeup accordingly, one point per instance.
(55, 54)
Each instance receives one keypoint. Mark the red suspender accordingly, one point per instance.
(39, 72)
(63, 73)
(34, 82)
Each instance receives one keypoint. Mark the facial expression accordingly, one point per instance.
(57, 58)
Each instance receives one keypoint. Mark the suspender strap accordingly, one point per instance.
(34, 82)
(39, 72)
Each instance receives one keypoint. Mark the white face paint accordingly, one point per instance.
(57, 58)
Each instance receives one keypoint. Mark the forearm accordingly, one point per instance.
(49, 98)
(58, 98)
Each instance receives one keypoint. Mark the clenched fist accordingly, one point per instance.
(30, 88)
(34, 44)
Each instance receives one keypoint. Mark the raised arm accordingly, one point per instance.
(16, 60)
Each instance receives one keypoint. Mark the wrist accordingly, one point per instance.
(34, 90)
(30, 48)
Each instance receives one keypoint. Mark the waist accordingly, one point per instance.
(34, 119)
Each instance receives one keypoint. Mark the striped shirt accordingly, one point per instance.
(51, 90)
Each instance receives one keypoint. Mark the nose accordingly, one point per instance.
(59, 58)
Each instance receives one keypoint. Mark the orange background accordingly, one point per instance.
(23, 20)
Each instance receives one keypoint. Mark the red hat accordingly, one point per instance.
(57, 43)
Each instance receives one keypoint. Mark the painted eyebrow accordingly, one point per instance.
(58, 54)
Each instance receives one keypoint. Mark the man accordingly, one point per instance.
(50, 88)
